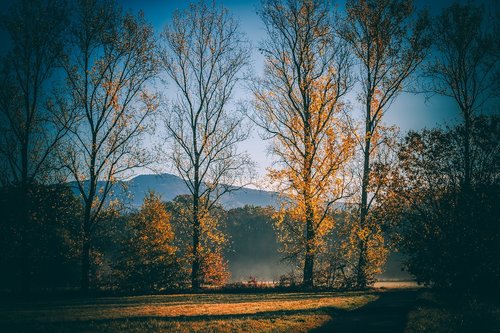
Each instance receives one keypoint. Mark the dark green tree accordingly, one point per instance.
(42, 254)
(450, 243)
(465, 67)
(31, 126)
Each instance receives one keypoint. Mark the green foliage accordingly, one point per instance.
(253, 246)
(40, 251)
(450, 231)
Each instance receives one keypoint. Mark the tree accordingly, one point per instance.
(112, 59)
(30, 124)
(465, 66)
(389, 46)
(377, 227)
(213, 268)
(445, 247)
(41, 254)
(31, 127)
(204, 54)
(148, 257)
(298, 103)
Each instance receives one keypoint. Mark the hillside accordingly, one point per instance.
(169, 186)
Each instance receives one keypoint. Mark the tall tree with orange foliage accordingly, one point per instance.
(298, 103)
(112, 57)
(389, 45)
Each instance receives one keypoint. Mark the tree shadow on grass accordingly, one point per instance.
(389, 313)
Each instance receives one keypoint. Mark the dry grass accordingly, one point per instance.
(396, 285)
(276, 312)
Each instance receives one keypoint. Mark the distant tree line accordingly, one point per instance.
(84, 86)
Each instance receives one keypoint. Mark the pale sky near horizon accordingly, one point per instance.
(407, 112)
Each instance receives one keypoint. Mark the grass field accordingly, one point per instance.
(263, 312)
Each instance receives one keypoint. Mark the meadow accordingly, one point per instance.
(259, 312)
(390, 308)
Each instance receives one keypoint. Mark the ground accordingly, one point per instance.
(261, 312)
(383, 310)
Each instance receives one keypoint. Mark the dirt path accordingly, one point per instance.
(387, 314)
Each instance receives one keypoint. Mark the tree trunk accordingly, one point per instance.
(309, 257)
(25, 279)
(362, 262)
(308, 281)
(87, 218)
(467, 159)
(85, 278)
(195, 269)
(362, 246)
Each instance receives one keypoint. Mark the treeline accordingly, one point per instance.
(84, 86)
(142, 251)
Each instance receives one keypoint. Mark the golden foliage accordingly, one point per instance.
(154, 230)
(212, 240)
(148, 260)
(214, 269)
(299, 105)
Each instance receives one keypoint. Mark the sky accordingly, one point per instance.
(408, 112)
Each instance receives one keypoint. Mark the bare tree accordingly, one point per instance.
(204, 54)
(112, 59)
(465, 66)
(389, 46)
(30, 124)
(298, 104)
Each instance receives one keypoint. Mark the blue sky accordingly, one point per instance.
(407, 112)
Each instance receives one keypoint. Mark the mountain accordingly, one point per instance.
(169, 186)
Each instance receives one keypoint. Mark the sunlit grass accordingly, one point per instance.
(292, 323)
(396, 284)
(275, 312)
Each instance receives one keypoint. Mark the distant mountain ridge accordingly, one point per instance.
(170, 186)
